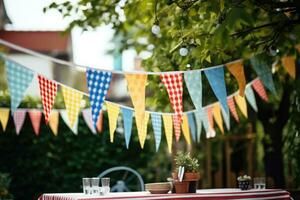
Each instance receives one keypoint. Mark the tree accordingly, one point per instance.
(213, 32)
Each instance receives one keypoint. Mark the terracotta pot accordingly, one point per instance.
(181, 187)
(191, 176)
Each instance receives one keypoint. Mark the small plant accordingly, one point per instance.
(4, 185)
(184, 159)
(244, 178)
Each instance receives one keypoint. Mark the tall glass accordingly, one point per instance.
(86, 185)
(259, 183)
(105, 185)
(95, 185)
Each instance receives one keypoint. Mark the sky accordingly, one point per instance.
(89, 48)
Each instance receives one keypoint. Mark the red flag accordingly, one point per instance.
(232, 108)
(48, 90)
(35, 117)
(259, 88)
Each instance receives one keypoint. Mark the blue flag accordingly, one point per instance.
(199, 126)
(203, 116)
(216, 80)
(98, 85)
(127, 120)
(19, 78)
(263, 71)
(156, 123)
(194, 84)
(250, 97)
(192, 125)
(226, 119)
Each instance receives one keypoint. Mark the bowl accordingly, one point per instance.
(158, 188)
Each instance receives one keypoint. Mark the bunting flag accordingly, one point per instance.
(210, 119)
(232, 108)
(289, 63)
(204, 119)
(216, 80)
(127, 121)
(237, 70)
(226, 119)
(199, 126)
(98, 84)
(173, 84)
(142, 129)
(194, 84)
(87, 116)
(168, 124)
(4, 116)
(217, 116)
(156, 123)
(185, 129)
(241, 102)
(250, 97)
(192, 126)
(100, 122)
(53, 121)
(48, 90)
(263, 70)
(35, 118)
(72, 100)
(260, 90)
(19, 78)
(19, 118)
(64, 116)
(113, 114)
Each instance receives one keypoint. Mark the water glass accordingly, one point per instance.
(259, 183)
(86, 185)
(95, 185)
(105, 185)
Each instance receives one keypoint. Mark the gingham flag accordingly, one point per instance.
(98, 85)
(173, 84)
(259, 88)
(127, 120)
(87, 116)
(19, 118)
(48, 90)
(232, 108)
(19, 79)
(35, 117)
(156, 123)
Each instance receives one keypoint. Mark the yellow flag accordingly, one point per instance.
(241, 102)
(53, 121)
(72, 100)
(113, 113)
(237, 70)
(168, 124)
(4, 115)
(185, 129)
(218, 116)
(289, 63)
(142, 129)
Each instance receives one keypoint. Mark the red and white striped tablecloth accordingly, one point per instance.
(210, 194)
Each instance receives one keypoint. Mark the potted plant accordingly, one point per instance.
(191, 169)
(244, 182)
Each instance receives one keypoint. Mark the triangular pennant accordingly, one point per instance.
(241, 102)
(100, 122)
(217, 116)
(127, 121)
(263, 70)
(194, 84)
(142, 129)
(204, 119)
(250, 97)
(19, 78)
(19, 118)
(231, 105)
(4, 116)
(260, 90)
(289, 63)
(211, 130)
(185, 129)
(216, 80)
(173, 84)
(72, 100)
(156, 123)
(226, 119)
(64, 116)
(48, 90)
(237, 70)
(168, 125)
(113, 114)
(35, 117)
(53, 121)
(87, 116)
(192, 126)
(199, 126)
(98, 84)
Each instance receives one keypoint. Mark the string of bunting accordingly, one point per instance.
(98, 81)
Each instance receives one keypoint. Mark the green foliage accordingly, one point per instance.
(5, 181)
(185, 160)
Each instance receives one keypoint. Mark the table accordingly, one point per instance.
(209, 194)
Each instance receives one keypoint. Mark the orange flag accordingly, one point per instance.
(53, 121)
(35, 117)
(289, 63)
(259, 88)
(237, 70)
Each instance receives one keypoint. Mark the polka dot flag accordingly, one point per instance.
(19, 78)
(48, 90)
(98, 85)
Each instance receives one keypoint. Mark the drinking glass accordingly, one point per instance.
(105, 185)
(95, 185)
(86, 185)
(259, 183)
